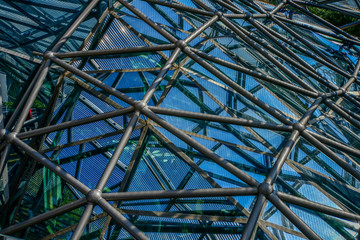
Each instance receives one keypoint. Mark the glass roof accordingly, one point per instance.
(193, 119)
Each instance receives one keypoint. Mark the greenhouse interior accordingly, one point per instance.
(180, 119)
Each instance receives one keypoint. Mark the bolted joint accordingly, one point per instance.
(265, 189)
(93, 196)
(140, 105)
(48, 55)
(181, 44)
(298, 126)
(218, 14)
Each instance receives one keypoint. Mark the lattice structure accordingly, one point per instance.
(350, 7)
(191, 119)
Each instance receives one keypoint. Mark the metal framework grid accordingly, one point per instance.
(234, 119)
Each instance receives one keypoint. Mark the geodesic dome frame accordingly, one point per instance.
(189, 119)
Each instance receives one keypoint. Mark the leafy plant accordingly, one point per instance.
(338, 19)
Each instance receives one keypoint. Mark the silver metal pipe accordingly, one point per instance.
(74, 123)
(251, 225)
(341, 162)
(118, 151)
(30, 95)
(318, 207)
(275, 113)
(308, 232)
(184, 193)
(93, 80)
(155, 26)
(116, 51)
(222, 119)
(49, 164)
(44, 216)
(255, 74)
(84, 220)
(123, 221)
(210, 154)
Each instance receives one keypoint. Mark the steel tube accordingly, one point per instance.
(275, 113)
(151, 91)
(222, 119)
(23, 100)
(241, 16)
(317, 29)
(255, 74)
(335, 144)
(229, 6)
(118, 151)
(285, 151)
(290, 143)
(318, 207)
(182, 7)
(326, 23)
(201, 29)
(32, 96)
(278, 7)
(222, 162)
(84, 220)
(75, 25)
(341, 162)
(49, 164)
(302, 40)
(74, 123)
(342, 113)
(116, 51)
(185, 193)
(123, 221)
(293, 58)
(3, 156)
(139, 105)
(44, 216)
(94, 81)
(307, 52)
(155, 26)
(42, 72)
(249, 39)
(252, 222)
(293, 217)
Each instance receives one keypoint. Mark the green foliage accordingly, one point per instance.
(37, 104)
(337, 19)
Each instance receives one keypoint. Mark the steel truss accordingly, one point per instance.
(287, 72)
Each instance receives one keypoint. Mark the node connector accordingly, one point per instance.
(342, 91)
(218, 13)
(298, 126)
(48, 55)
(93, 196)
(322, 95)
(181, 44)
(140, 105)
(10, 137)
(265, 188)
(247, 16)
